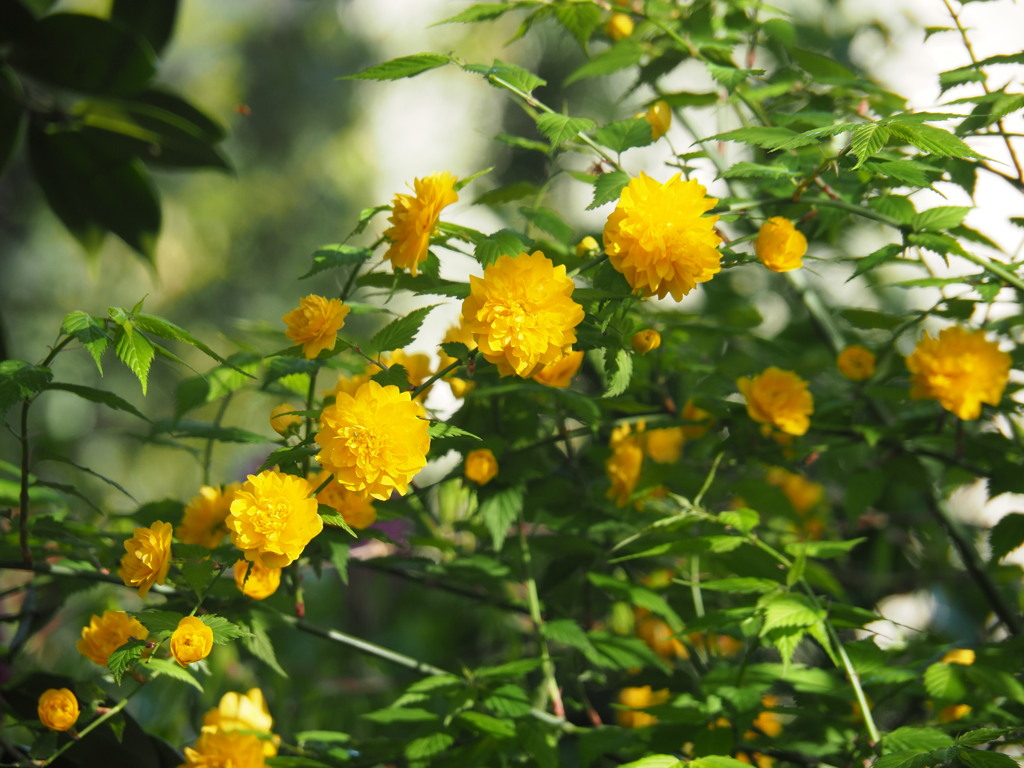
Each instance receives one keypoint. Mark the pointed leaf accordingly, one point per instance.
(401, 332)
(404, 66)
(562, 128)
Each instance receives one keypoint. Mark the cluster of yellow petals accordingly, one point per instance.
(658, 635)
(147, 557)
(559, 375)
(779, 400)
(417, 366)
(856, 363)
(521, 313)
(356, 508)
(659, 238)
(624, 465)
(802, 493)
(191, 641)
(272, 518)
(58, 709)
(481, 466)
(373, 442)
(225, 749)
(961, 369)
(106, 633)
(256, 580)
(315, 324)
(780, 246)
(637, 698)
(414, 219)
(243, 712)
(203, 520)
(645, 341)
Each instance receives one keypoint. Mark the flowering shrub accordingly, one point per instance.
(690, 552)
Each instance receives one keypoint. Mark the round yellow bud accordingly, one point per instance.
(283, 418)
(619, 26)
(660, 117)
(256, 580)
(646, 340)
(587, 247)
(58, 709)
(963, 656)
(481, 466)
(780, 246)
(856, 363)
(191, 641)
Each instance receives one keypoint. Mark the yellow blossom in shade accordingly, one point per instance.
(521, 313)
(954, 712)
(272, 518)
(778, 399)
(961, 369)
(659, 115)
(191, 641)
(767, 722)
(658, 635)
(283, 418)
(701, 421)
(559, 375)
(780, 246)
(663, 446)
(856, 363)
(106, 633)
(802, 493)
(374, 442)
(217, 748)
(147, 557)
(624, 465)
(347, 384)
(243, 712)
(414, 218)
(619, 26)
(203, 520)
(481, 467)
(659, 238)
(356, 508)
(640, 697)
(255, 580)
(645, 341)
(720, 645)
(58, 709)
(315, 324)
(587, 247)
(417, 365)
(963, 656)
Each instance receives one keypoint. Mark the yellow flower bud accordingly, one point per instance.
(646, 340)
(856, 363)
(58, 709)
(587, 247)
(481, 466)
(559, 375)
(261, 581)
(954, 712)
(191, 641)
(963, 656)
(780, 246)
(619, 26)
(660, 117)
(283, 418)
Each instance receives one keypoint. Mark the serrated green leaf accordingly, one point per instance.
(912, 759)
(757, 135)
(499, 509)
(490, 726)
(165, 329)
(101, 396)
(980, 736)
(259, 645)
(822, 549)
(507, 194)
(198, 575)
(870, 319)
(339, 558)
(978, 758)
(438, 430)
(944, 682)
(716, 761)
(608, 188)
(20, 381)
(561, 128)
(624, 134)
(395, 375)
(742, 585)
(504, 242)
(867, 140)
(171, 669)
(401, 332)
(428, 746)
(135, 351)
(330, 517)
(289, 454)
(788, 610)
(121, 660)
(875, 258)
(743, 519)
(336, 255)
(626, 53)
(579, 20)
(567, 632)
(157, 621)
(512, 670)
(1006, 536)
(503, 75)
(200, 429)
(912, 738)
(730, 77)
(745, 170)
(404, 66)
(484, 12)
(90, 332)
(223, 630)
(618, 370)
(509, 701)
(935, 141)
(941, 217)
(549, 221)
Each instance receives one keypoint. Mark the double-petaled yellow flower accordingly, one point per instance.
(638, 698)
(272, 518)
(191, 641)
(961, 369)
(481, 466)
(659, 238)
(58, 709)
(521, 313)
(106, 633)
(356, 508)
(780, 246)
(203, 520)
(559, 375)
(255, 580)
(315, 324)
(624, 465)
(225, 749)
(374, 442)
(645, 341)
(243, 712)
(147, 557)
(778, 399)
(856, 363)
(414, 218)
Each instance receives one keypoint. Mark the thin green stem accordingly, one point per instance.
(698, 597)
(439, 375)
(996, 269)
(533, 599)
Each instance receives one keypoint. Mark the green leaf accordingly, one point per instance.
(507, 194)
(101, 396)
(152, 20)
(618, 370)
(189, 428)
(157, 621)
(90, 332)
(941, 217)
(1006, 536)
(944, 682)
(912, 759)
(567, 632)
(579, 20)
(980, 736)
(742, 585)
(404, 66)
(123, 658)
(959, 76)
(487, 725)
(977, 758)
(561, 128)
(549, 221)
(626, 53)
(503, 75)
(324, 737)
(743, 519)
(173, 670)
(259, 645)
(401, 715)
(508, 701)
(745, 170)
(484, 12)
(499, 510)
(656, 761)
(624, 134)
(198, 575)
(608, 188)
(870, 319)
(504, 242)
(716, 761)
(46, 456)
(401, 332)
(730, 77)
(867, 140)
(223, 630)
(13, 117)
(292, 454)
(910, 738)
(339, 558)
(513, 670)
(875, 258)
(788, 610)
(757, 136)
(935, 141)
(165, 329)
(439, 430)
(428, 746)
(20, 381)
(822, 549)
(336, 255)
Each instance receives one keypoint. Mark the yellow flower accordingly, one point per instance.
(283, 418)
(659, 115)
(961, 369)
(481, 466)
(203, 521)
(521, 313)
(623, 466)
(243, 712)
(802, 493)
(767, 722)
(58, 709)
(663, 446)
(414, 218)
(963, 656)
(225, 749)
(619, 26)
(658, 635)
(588, 246)
(559, 375)
(645, 341)
(374, 442)
(459, 333)
(780, 246)
(348, 384)
(272, 518)
(701, 421)
(356, 508)
(260, 583)
(417, 365)
(147, 557)
(191, 641)
(659, 238)
(635, 698)
(856, 363)
(779, 399)
(954, 712)
(106, 633)
(315, 324)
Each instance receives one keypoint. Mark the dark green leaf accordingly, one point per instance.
(157, 621)
(977, 758)
(484, 12)
(579, 20)
(401, 332)
(499, 510)
(625, 53)
(12, 115)
(152, 20)
(171, 669)
(872, 260)
(108, 399)
(206, 431)
(867, 140)
(122, 659)
(490, 726)
(624, 134)
(337, 255)
(46, 456)
(1006, 536)
(562, 128)
(288, 455)
(20, 381)
(165, 329)
(404, 66)
(395, 375)
(339, 558)
(507, 194)
(428, 746)
(259, 643)
(870, 319)
(198, 575)
(910, 738)
(504, 242)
